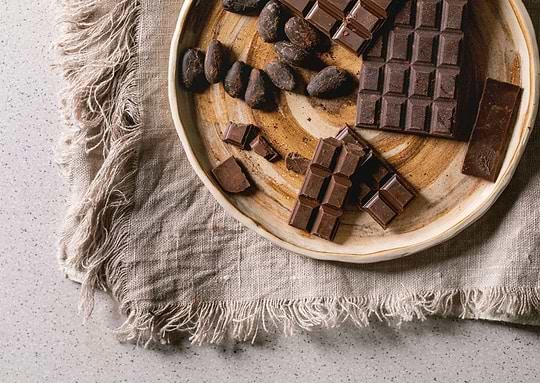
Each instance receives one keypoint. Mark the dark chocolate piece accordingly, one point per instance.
(411, 80)
(492, 130)
(351, 23)
(230, 176)
(297, 163)
(378, 188)
(326, 186)
(238, 134)
(263, 148)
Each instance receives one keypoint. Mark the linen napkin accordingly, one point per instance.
(141, 225)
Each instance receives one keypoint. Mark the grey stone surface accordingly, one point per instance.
(43, 339)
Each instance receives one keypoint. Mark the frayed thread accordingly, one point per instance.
(214, 322)
(99, 61)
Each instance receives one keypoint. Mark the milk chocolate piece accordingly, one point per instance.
(263, 148)
(327, 185)
(238, 134)
(297, 163)
(492, 130)
(351, 23)
(378, 188)
(230, 176)
(411, 81)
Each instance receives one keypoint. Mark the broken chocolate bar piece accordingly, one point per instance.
(411, 80)
(492, 130)
(297, 163)
(263, 148)
(351, 23)
(326, 187)
(378, 188)
(238, 134)
(230, 176)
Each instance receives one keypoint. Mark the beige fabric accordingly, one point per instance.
(179, 263)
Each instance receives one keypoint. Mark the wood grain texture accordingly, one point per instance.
(502, 45)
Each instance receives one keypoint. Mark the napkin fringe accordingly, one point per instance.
(214, 322)
(99, 60)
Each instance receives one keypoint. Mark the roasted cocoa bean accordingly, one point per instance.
(281, 75)
(259, 90)
(215, 64)
(236, 79)
(331, 82)
(293, 54)
(302, 34)
(244, 6)
(270, 22)
(192, 72)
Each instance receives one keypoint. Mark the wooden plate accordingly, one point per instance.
(505, 48)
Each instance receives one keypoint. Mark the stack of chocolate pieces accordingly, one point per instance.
(326, 187)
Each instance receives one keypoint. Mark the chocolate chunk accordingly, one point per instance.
(244, 6)
(304, 213)
(193, 77)
(297, 163)
(302, 34)
(492, 130)
(258, 92)
(270, 22)
(293, 55)
(378, 188)
(327, 223)
(327, 184)
(331, 82)
(281, 75)
(263, 148)
(215, 65)
(230, 176)
(351, 23)
(411, 80)
(239, 134)
(236, 79)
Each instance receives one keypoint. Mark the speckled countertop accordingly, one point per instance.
(43, 339)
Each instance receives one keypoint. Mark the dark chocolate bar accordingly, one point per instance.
(411, 79)
(492, 130)
(326, 188)
(230, 176)
(351, 23)
(379, 189)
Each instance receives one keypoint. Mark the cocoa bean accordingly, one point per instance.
(270, 22)
(236, 79)
(293, 54)
(244, 6)
(259, 90)
(281, 75)
(331, 82)
(215, 65)
(192, 72)
(302, 34)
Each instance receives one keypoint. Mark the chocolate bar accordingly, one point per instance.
(230, 176)
(239, 134)
(492, 130)
(326, 187)
(351, 23)
(411, 79)
(379, 189)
